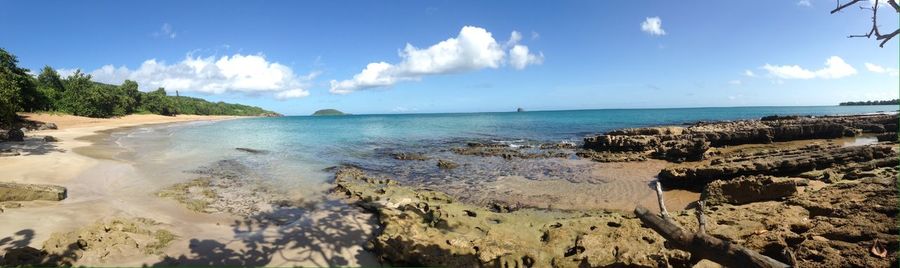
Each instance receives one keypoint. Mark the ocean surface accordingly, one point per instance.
(300, 148)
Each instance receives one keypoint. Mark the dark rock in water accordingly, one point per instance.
(409, 156)
(750, 189)
(15, 135)
(252, 151)
(780, 117)
(519, 110)
(446, 164)
(684, 143)
(10, 191)
(50, 139)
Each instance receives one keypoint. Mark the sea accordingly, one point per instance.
(299, 150)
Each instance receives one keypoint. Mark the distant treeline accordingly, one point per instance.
(881, 102)
(78, 95)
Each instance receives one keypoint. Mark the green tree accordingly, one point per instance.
(83, 97)
(51, 86)
(17, 89)
(157, 102)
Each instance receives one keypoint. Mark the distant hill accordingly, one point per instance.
(860, 103)
(327, 112)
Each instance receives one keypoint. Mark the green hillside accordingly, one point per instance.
(328, 112)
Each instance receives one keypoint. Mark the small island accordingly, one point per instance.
(880, 102)
(328, 112)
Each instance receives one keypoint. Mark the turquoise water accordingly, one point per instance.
(300, 147)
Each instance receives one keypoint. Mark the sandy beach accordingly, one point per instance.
(102, 189)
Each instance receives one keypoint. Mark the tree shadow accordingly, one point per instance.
(320, 234)
(31, 146)
(16, 252)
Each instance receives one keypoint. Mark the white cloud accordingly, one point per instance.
(251, 74)
(653, 26)
(519, 57)
(749, 73)
(835, 67)
(293, 93)
(735, 82)
(166, 31)
(805, 3)
(473, 49)
(535, 35)
(875, 68)
(514, 39)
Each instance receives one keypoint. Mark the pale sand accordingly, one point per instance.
(101, 188)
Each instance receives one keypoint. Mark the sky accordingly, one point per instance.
(295, 57)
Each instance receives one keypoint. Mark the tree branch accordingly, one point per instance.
(874, 31)
(700, 244)
(839, 6)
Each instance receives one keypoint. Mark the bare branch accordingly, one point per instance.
(662, 204)
(874, 30)
(839, 6)
(701, 220)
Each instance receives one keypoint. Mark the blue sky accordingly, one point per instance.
(295, 57)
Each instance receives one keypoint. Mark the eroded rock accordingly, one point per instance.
(10, 191)
(748, 189)
(429, 228)
(691, 143)
(784, 162)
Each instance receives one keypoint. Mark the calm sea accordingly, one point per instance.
(300, 147)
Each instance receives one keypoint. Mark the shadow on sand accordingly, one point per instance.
(322, 235)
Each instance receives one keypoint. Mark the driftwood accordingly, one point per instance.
(700, 244)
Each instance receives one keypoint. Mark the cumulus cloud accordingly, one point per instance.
(249, 74)
(472, 49)
(875, 68)
(749, 73)
(835, 68)
(653, 26)
(805, 3)
(519, 57)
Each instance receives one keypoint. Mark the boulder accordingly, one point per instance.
(50, 139)
(748, 189)
(10, 191)
(446, 164)
(46, 126)
(15, 135)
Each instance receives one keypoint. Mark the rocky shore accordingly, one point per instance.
(806, 191)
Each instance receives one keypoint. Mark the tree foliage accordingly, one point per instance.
(79, 95)
(878, 102)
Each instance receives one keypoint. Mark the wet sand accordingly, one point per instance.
(101, 188)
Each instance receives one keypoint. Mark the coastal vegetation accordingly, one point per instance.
(77, 94)
(327, 112)
(879, 102)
